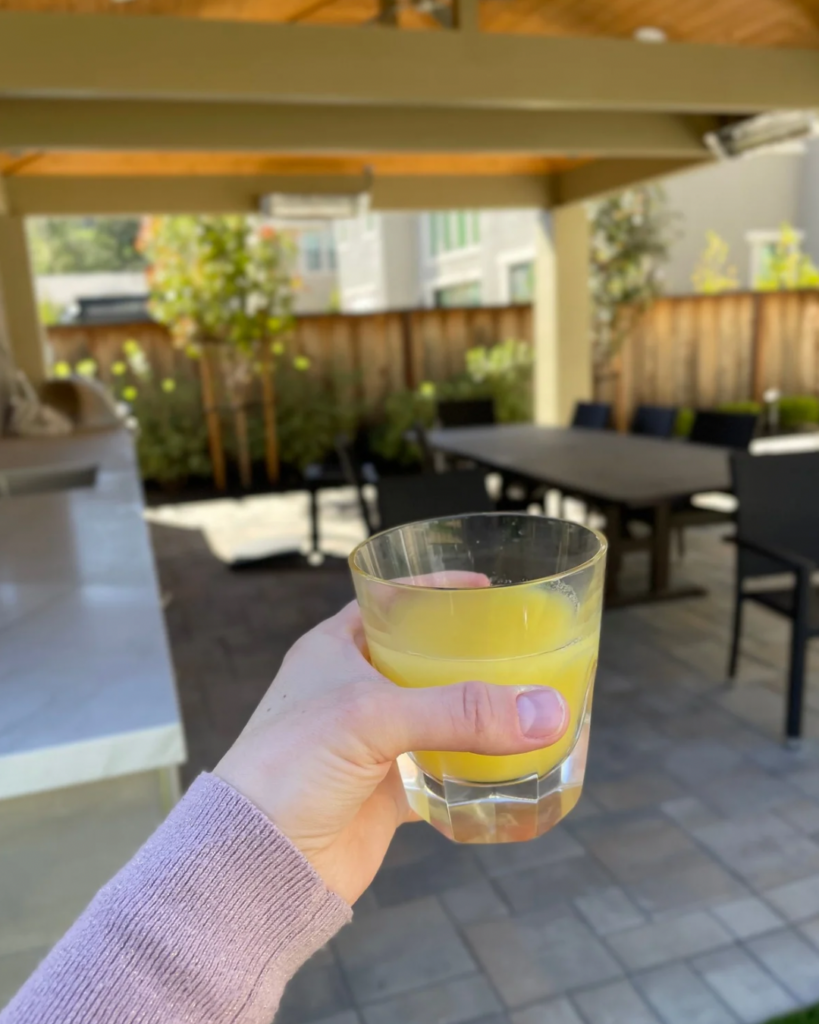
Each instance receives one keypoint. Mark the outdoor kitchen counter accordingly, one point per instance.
(87, 689)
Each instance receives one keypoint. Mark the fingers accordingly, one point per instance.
(474, 717)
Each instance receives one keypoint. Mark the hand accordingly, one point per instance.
(318, 755)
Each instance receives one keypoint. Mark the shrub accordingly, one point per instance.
(798, 410)
(685, 421)
(740, 408)
(172, 437)
(402, 411)
(502, 372)
(310, 413)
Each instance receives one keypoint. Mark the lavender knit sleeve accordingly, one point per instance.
(205, 924)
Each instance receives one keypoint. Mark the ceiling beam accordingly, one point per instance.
(65, 196)
(84, 196)
(328, 129)
(446, 192)
(603, 176)
(88, 55)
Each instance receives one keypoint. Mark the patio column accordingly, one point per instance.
(22, 321)
(562, 312)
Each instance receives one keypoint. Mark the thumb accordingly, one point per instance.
(474, 717)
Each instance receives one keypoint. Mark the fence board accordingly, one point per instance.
(703, 350)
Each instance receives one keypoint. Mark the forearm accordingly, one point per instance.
(206, 923)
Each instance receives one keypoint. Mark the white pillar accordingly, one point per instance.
(22, 321)
(562, 314)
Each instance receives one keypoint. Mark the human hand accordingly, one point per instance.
(318, 754)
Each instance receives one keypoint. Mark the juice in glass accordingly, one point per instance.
(508, 599)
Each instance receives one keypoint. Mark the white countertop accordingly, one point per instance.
(87, 689)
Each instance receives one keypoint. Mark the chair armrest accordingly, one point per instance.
(790, 559)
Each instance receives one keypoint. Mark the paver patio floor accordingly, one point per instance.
(684, 888)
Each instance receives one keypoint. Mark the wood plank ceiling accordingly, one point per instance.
(768, 23)
(749, 23)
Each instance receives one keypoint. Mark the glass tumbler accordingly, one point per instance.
(506, 598)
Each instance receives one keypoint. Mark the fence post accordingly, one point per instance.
(758, 353)
(217, 451)
(407, 349)
(271, 441)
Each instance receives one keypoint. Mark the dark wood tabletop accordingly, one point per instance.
(601, 465)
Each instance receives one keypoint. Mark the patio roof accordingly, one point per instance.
(201, 106)
(498, 102)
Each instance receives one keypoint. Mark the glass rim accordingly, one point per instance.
(600, 553)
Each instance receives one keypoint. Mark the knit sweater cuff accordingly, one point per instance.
(207, 922)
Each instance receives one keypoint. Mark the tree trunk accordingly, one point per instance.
(271, 440)
(217, 450)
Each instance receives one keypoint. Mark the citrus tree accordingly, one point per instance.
(223, 285)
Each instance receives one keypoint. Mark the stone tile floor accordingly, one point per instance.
(684, 889)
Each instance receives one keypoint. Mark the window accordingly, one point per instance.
(763, 245)
(311, 247)
(467, 293)
(453, 230)
(330, 254)
(521, 281)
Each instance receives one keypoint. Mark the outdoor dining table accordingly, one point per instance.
(614, 472)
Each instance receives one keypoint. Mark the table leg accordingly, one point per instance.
(661, 549)
(314, 521)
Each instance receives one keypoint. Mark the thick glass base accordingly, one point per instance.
(498, 812)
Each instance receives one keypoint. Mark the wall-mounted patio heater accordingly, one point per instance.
(284, 206)
(766, 131)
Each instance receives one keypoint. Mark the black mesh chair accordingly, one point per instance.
(777, 533)
(357, 474)
(472, 412)
(654, 421)
(724, 429)
(403, 499)
(592, 415)
(345, 470)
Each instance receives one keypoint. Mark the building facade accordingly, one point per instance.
(465, 257)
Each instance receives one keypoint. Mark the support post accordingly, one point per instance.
(562, 314)
(19, 299)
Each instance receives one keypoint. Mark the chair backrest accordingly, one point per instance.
(592, 415)
(654, 420)
(471, 412)
(404, 499)
(778, 499)
(724, 429)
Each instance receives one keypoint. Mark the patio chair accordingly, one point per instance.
(471, 412)
(776, 533)
(403, 499)
(654, 421)
(345, 471)
(592, 415)
(724, 429)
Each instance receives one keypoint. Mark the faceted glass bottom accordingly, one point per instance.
(498, 812)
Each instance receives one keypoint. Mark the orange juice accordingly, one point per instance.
(510, 636)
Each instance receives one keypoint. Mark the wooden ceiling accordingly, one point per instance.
(760, 23)
(191, 164)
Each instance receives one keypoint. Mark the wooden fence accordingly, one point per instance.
(367, 357)
(379, 352)
(703, 350)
